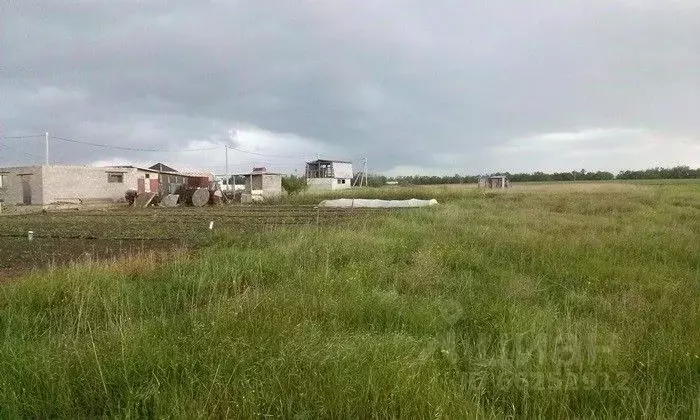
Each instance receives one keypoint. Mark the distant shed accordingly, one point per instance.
(498, 182)
(260, 183)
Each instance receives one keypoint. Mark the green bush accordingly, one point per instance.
(293, 184)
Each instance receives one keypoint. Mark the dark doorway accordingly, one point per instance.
(26, 189)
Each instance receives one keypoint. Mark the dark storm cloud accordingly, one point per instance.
(423, 85)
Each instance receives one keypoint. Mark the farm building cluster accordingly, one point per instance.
(72, 184)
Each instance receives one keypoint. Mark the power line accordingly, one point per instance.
(21, 137)
(131, 149)
(138, 149)
(267, 155)
(2, 146)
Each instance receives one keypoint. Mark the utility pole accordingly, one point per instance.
(362, 179)
(228, 177)
(233, 136)
(47, 148)
(365, 174)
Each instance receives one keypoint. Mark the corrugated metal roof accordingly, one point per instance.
(255, 173)
(160, 167)
(185, 174)
(328, 161)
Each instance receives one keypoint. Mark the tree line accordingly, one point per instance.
(678, 172)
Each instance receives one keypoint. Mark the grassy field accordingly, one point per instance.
(552, 301)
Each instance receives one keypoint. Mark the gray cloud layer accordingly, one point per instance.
(413, 85)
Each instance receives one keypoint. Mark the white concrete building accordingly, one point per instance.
(328, 175)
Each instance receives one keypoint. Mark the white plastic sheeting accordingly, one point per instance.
(376, 204)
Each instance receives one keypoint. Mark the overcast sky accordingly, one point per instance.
(433, 87)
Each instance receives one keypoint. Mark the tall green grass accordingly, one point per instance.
(520, 304)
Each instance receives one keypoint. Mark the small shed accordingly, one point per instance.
(261, 183)
(497, 181)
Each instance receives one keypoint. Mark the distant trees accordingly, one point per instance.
(436, 180)
(679, 172)
(581, 175)
(373, 180)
